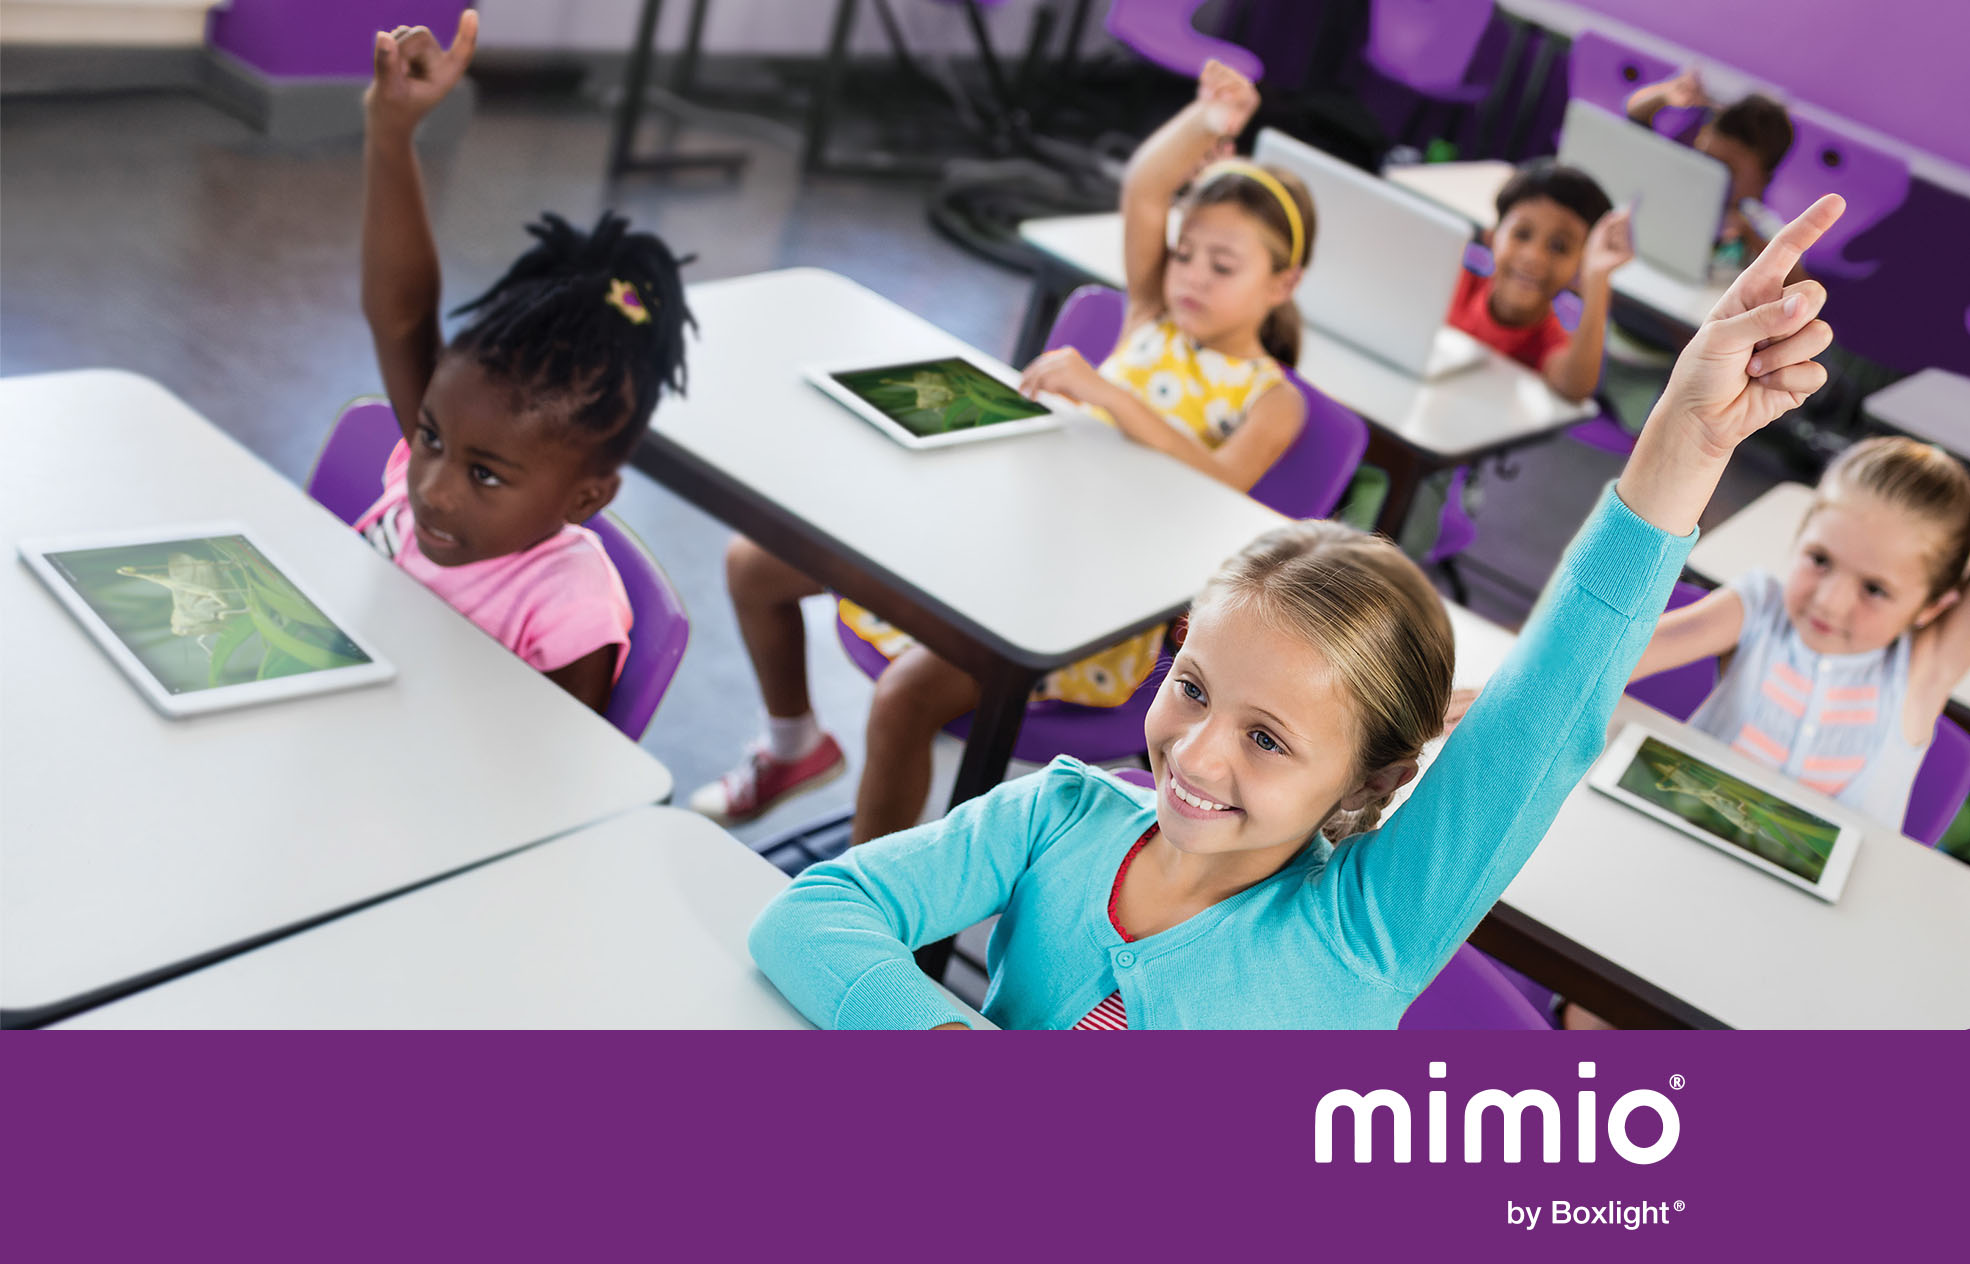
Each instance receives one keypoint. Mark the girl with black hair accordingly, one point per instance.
(515, 432)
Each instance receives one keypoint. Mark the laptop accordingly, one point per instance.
(1385, 263)
(1682, 192)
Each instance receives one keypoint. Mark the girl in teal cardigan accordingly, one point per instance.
(1316, 665)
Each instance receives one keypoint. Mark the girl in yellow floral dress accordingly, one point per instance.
(1196, 374)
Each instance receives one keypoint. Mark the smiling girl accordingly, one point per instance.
(1316, 665)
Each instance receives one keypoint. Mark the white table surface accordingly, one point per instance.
(130, 842)
(1933, 406)
(637, 922)
(1052, 542)
(1495, 403)
(1471, 189)
(1744, 947)
(1739, 945)
(1761, 535)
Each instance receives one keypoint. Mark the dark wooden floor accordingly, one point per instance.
(152, 233)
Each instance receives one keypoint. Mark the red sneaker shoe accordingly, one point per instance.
(763, 781)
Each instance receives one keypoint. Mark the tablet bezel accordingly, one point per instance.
(1605, 776)
(34, 552)
(822, 376)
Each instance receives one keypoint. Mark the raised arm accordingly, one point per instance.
(1162, 165)
(399, 258)
(1941, 659)
(1402, 899)
(1575, 369)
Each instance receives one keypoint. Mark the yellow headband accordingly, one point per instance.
(1270, 183)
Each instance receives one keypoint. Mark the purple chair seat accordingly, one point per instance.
(1163, 32)
(347, 479)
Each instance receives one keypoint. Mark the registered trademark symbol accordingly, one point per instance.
(1679, 1202)
(1677, 1081)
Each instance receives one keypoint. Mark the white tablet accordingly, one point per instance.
(934, 403)
(1751, 816)
(200, 618)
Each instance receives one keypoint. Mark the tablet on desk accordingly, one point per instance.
(200, 618)
(934, 403)
(1757, 823)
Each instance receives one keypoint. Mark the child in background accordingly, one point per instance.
(514, 433)
(1195, 374)
(1750, 137)
(1316, 665)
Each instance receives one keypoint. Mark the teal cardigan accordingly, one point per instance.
(1342, 936)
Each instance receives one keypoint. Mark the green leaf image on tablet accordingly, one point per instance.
(930, 403)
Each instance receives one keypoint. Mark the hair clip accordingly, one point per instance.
(624, 298)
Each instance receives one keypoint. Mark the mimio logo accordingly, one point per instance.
(1511, 1110)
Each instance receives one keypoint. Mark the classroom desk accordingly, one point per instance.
(639, 921)
(136, 846)
(1009, 557)
(1761, 535)
(1648, 927)
(1471, 189)
(1415, 427)
(1933, 406)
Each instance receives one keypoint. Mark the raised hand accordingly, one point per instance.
(414, 72)
(1228, 98)
(1685, 90)
(1749, 363)
(1609, 245)
(1752, 360)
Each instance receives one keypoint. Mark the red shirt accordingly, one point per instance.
(1470, 311)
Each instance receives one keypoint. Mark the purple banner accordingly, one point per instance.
(727, 1146)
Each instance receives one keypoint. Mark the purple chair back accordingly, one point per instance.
(1455, 531)
(1090, 321)
(348, 477)
(1425, 44)
(1471, 993)
(1681, 690)
(1941, 784)
(1606, 72)
(1164, 32)
(1823, 160)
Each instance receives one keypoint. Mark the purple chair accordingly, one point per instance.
(1606, 72)
(1823, 160)
(348, 477)
(1162, 31)
(1427, 47)
(1470, 993)
(1307, 481)
(1681, 690)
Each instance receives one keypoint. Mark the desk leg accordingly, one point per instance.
(1050, 287)
(1550, 46)
(1406, 469)
(994, 730)
(818, 115)
(1494, 102)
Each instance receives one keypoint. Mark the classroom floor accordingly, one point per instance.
(151, 232)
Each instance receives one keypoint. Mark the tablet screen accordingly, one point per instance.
(1730, 810)
(205, 612)
(934, 397)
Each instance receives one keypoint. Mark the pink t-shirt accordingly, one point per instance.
(559, 601)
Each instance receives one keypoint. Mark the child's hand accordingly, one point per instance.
(1228, 98)
(1064, 372)
(1752, 360)
(413, 73)
(1609, 245)
(1685, 91)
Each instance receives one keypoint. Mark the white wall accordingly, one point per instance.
(766, 27)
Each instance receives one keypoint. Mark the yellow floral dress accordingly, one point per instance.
(1199, 391)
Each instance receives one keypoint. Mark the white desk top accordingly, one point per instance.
(1761, 534)
(1052, 541)
(1739, 945)
(1495, 403)
(1471, 189)
(1742, 946)
(132, 842)
(637, 922)
(1933, 406)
